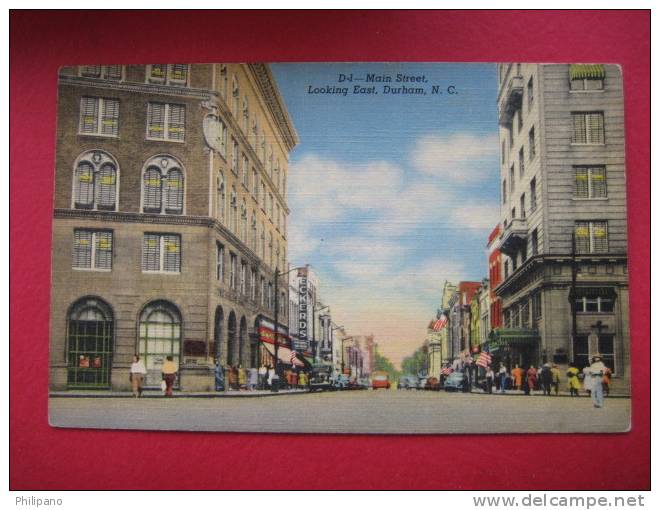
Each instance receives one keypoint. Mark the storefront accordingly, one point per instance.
(518, 346)
(286, 357)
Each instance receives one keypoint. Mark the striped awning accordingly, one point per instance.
(587, 71)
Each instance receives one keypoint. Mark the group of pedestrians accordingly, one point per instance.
(547, 378)
(138, 373)
(238, 378)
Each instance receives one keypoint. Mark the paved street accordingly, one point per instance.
(380, 411)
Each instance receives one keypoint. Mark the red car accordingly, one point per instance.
(380, 380)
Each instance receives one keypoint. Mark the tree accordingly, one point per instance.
(383, 364)
(416, 364)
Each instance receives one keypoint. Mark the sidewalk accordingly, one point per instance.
(177, 394)
(538, 393)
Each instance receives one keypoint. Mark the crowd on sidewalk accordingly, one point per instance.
(239, 378)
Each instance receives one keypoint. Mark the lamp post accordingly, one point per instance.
(342, 351)
(314, 342)
(276, 329)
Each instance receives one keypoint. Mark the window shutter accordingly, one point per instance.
(579, 128)
(176, 122)
(110, 121)
(599, 232)
(113, 73)
(106, 187)
(103, 259)
(172, 258)
(179, 72)
(84, 185)
(82, 249)
(156, 120)
(158, 72)
(89, 114)
(598, 182)
(174, 192)
(151, 253)
(582, 236)
(152, 190)
(595, 126)
(581, 182)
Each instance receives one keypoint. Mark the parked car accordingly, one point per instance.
(413, 382)
(454, 381)
(432, 383)
(421, 383)
(321, 378)
(403, 383)
(341, 382)
(380, 380)
(364, 383)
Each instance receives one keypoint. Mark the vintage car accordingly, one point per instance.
(454, 381)
(321, 378)
(380, 380)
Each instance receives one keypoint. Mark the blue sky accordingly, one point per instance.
(391, 194)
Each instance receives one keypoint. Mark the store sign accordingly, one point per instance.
(302, 341)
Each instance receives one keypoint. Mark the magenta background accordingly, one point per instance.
(42, 457)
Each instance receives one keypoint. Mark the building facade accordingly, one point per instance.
(563, 215)
(169, 222)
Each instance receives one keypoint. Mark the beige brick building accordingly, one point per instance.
(169, 222)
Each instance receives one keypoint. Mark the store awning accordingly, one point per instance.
(284, 355)
(513, 336)
(587, 71)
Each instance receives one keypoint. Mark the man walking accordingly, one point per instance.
(596, 372)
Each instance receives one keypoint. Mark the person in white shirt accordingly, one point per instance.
(597, 369)
(137, 374)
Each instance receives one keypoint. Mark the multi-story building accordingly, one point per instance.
(169, 222)
(448, 290)
(459, 319)
(494, 277)
(484, 313)
(563, 214)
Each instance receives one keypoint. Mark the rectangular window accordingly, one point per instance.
(587, 84)
(521, 161)
(263, 196)
(255, 183)
(588, 128)
(253, 285)
(532, 195)
(532, 144)
(535, 242)
(591, 237)
(524, 313)
(512, 179)
(112, 73)
(171, 74)
(166, 121)
(219, 262)
(537, 311)
(503, 152)
(234, 156)
(504, 191)
(263, 291)
(161, 253)
(530, 93)
(590, 182)
(270, 296)
(522, 206)
(243, 278)
(92, 249)
(232, 271)
(520, 120)
(246, 172)
(594, 304)
(99, 116)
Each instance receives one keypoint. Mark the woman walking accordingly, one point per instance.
(573, 380)
(137, 374)
(531, 379)
(169, 372)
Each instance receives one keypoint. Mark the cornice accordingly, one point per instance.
(135, 87)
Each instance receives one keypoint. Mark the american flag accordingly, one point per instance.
(440, 323)
(447, 370)
(484, 359)
(293, 357)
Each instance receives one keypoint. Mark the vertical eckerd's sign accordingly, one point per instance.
(302, 312)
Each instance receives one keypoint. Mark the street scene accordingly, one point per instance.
(415, 248)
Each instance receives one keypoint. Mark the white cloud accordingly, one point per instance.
(460, 157)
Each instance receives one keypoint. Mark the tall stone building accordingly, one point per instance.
(170, 219)
(563, 216)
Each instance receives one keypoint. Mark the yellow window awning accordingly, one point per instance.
(587, 71)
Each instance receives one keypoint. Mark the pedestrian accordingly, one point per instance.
(546, 379)
(169, 372)
(531, 379)
(490, 377)
(137, 375)
(263, 376)
(253, 378)
(596, 372)
(573, 380)
(607, 373)
(232, 378)
(271, 375)
(302, 380)
(588, 382)
(242, 378)
(466, 382)
(219, 376)
(501, 374)
(555, 378)
(517, 375)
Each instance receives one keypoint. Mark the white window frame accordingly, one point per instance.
(172, 163)
(161, 254)
(233, 260)
(589, 169)
(246, 171)
(591, 227)
(92, 260)
(105, 157)
(166, 124)
(219, 262)
(167, 79)
(586, 127)
(99, 121)
(103, 75)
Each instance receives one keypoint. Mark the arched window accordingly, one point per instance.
(244, 222)
(159, 337)
(95, 181)
(163, 186)
(235, 93)
(233, 210)
(90, 333)
(246, 115)
(221, 198)
(253, 237)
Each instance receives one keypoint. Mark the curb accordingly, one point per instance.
(176, 395)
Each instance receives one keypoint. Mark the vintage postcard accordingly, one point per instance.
(340, 247)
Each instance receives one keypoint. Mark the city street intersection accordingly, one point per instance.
(382, 411)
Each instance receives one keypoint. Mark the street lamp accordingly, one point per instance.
(277, 309)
